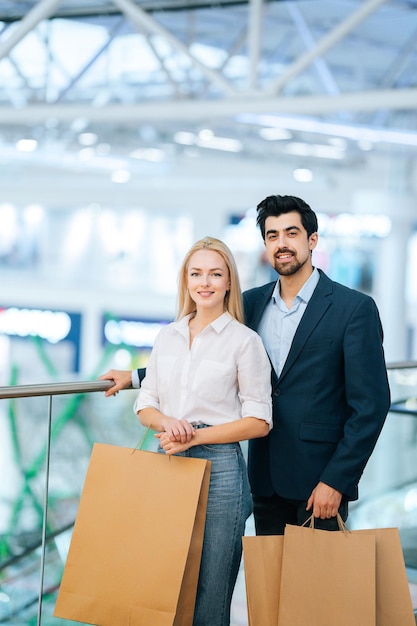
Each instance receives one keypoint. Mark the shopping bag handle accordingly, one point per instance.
(142, 439)
(342, 526)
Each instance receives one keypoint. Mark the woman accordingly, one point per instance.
(207, 387)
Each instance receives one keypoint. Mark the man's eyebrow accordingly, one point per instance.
(275, 230)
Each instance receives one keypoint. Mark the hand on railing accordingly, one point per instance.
(122, 380)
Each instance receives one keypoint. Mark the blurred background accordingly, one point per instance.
(130, 128)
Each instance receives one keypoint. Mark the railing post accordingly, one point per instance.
(45, 511)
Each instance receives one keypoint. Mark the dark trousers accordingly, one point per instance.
(272, 513)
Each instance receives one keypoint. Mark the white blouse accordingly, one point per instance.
(225, 375)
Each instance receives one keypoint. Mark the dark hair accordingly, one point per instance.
(274, 206)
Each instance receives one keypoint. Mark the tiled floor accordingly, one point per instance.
(413, 592)
(239, 615)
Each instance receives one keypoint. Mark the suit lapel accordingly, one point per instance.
(264, 296)
(316, 308)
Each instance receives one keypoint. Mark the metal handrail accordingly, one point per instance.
(402, 365)
(54, 389)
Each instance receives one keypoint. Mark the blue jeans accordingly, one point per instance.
(228, 507)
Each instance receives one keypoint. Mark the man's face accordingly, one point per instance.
(287, 246)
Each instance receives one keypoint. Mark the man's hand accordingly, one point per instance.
(325, 501)
(121, 378)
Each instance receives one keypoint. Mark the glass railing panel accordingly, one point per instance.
(78, 420)
(393, 462)
(388, 489)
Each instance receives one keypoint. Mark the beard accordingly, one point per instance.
(289, 268)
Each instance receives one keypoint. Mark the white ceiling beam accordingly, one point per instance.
(88, 65)
(141, 19)
(327, 42)
(254, 39)
(320, 64)
(41, 11)
(196, 110)
(163, 65)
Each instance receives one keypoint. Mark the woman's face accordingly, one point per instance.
(208, 280)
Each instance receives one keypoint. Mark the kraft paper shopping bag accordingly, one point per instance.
(263, 562)
(394, 606)
(327, 578)
(262, 559)
(135, 551)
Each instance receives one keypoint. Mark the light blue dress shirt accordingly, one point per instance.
(279, 323)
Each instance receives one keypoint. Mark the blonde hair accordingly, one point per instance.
(233, 298)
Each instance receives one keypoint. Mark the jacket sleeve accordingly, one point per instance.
(367, 395)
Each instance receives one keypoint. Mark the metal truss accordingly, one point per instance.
(344, 61)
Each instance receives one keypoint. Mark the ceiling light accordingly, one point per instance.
(275, 134)
(185, 138)
(205, 134)
(149, 154)
(34, 213)
(338, 142)
(221, 143)
(85, 154)
(314, 150)
(310, 125)
(365, 145)
(121, 176)
(87, 139)
(303, 175)
(207, 139)
(26, 145)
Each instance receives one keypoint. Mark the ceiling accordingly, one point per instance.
(113, 83)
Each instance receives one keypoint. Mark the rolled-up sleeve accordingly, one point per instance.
(254, 377)
(148, 393)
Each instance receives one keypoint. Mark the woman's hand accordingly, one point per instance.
(172, 447)
(180, 431)
(176, 436)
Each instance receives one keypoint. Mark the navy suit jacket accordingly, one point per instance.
(331, 399)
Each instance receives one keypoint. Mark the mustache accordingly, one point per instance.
(283, 251)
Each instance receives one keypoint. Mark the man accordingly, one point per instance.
(330, 386)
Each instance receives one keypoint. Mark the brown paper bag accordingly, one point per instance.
(262, 557)
(394, 606)
(135, 551)
(327, 578)
(263, 562)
